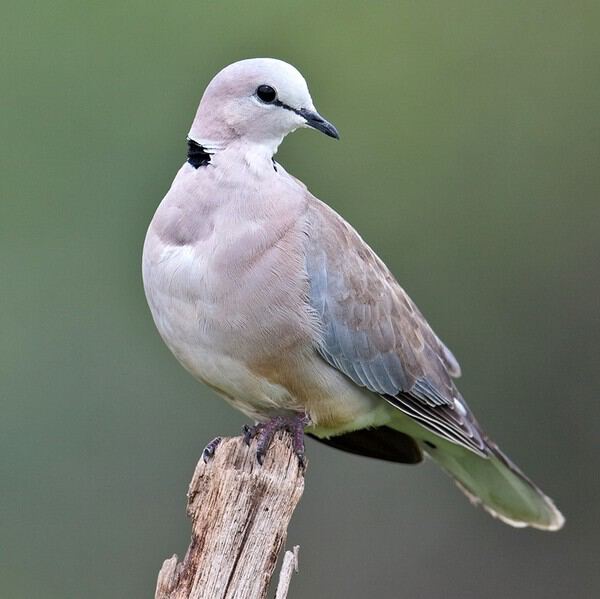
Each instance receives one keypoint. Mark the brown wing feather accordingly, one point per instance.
(374, 333)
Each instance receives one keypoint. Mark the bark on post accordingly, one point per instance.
(240, 513)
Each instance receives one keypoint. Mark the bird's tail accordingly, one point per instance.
(498, 485)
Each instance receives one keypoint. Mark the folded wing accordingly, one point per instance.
(375, 335)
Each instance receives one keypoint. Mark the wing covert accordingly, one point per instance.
(375, 334)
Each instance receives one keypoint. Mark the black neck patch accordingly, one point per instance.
(196, 154)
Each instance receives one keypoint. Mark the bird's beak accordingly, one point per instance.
(316, 121)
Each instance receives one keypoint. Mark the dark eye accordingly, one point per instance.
(266, 93)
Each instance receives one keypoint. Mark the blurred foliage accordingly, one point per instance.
(469, 159)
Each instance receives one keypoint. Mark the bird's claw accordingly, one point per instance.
(209, 450)
(264, 433)
(260, 456)
(301, 459)
(250, 432)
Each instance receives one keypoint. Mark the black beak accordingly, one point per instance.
(316, 121)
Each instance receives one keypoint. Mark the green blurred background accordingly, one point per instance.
(469, 159)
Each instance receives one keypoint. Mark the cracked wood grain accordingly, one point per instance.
(240, 512)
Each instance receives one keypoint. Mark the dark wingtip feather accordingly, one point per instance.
(382, 443)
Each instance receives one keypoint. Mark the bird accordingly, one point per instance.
(270, 298)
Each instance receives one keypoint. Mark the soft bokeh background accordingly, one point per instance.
(469, 159)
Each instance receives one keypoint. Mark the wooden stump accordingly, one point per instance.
(240, 512)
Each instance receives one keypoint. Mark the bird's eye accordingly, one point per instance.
(266, 94)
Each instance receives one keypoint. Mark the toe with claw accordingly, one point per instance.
(209, 450)
(264, 433)
(250, 432)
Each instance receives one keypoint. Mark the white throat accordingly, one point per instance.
(242, 153)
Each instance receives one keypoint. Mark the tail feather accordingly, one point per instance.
(498, 485)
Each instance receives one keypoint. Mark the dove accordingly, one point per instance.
(270, 298)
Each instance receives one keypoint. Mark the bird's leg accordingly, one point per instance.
(209, 450)
(264, 433)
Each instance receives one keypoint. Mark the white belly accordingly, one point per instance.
(174, 286)
(215, 332)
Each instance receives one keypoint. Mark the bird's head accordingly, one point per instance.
(258, 100)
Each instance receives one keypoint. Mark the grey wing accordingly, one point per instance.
(375, 335)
